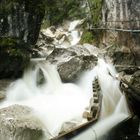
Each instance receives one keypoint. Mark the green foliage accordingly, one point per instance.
(7, 42)
(36, 6)
(58, 10)
(87, 37)
(92, 37)
(13, 47)
(96, 9)
(15, 57)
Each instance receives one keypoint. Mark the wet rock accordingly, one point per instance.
(18, 122)
(72, 61)
(43, 47)
(3, 85)
(126, 130)
(71, 69)
(123, 55)
(127, 69)
(135, 80)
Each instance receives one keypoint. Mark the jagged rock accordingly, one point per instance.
(123, 55)
(72, 61)
(18, 122)
(43, 47)
(135, 80)
(127, 69)
(71, 69)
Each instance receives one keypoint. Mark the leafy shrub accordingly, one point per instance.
(87, 37)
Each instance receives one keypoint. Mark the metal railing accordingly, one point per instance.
(116, 29)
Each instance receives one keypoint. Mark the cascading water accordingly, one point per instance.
(52, 97)
(114, 107)
(56, 103)
(75, 33)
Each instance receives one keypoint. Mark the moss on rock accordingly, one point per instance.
(14, 57)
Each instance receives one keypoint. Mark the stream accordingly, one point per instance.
(56, 103)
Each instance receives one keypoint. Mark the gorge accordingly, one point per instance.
(53, 69)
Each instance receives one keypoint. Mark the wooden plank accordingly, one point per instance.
(92, 121)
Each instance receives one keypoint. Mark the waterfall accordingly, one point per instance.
(55, 102)
(75, 33)
(114, 106)
(66, 101)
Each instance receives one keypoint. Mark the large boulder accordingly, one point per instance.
(71, 62)
(18, 123)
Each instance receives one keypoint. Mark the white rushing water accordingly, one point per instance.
(68, 101)
(114, 107)
(74, 32)
(56, 103)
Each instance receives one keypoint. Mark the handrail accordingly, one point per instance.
(116, 29)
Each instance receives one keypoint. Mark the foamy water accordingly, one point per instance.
(56, 103)
(74, 32)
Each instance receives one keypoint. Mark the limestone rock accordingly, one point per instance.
(72, 61)
(18, 122)
(121, 14)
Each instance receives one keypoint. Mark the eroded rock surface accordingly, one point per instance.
(18, 122)
(71, 62)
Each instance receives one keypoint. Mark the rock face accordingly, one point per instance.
(122, 55)
(125, 15)
(72, 61)
(20, 22)
(121, 14)
(18, 122)
(21, 19)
